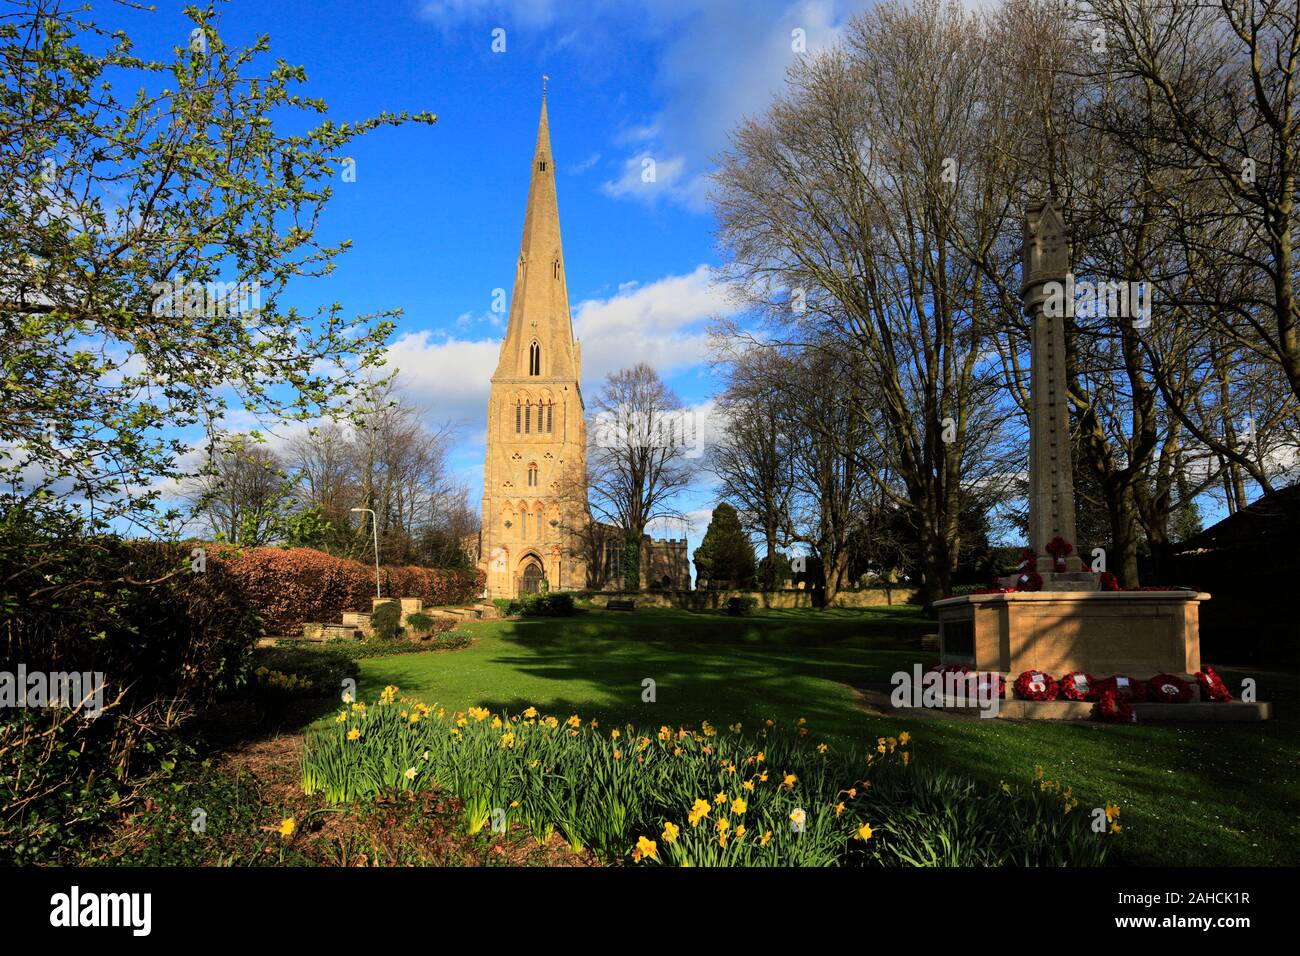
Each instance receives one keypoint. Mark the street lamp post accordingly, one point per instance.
(374, 524)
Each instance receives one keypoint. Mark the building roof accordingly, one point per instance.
(1265, 524)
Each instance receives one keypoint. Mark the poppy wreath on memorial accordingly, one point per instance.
(1113, 709)
(1108, 582)
(1035, 685)
(983, 679)
(1029, 581)
(1077, 685)
(1212, 685)
(1059, 549)
(1123, 687)
(1169, 689)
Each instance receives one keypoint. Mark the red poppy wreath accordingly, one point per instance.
(1169, 689)
(1077, 685)
(1035, 685)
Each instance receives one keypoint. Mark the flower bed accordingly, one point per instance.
(681, 796)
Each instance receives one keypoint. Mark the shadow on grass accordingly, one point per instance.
(1192, 794)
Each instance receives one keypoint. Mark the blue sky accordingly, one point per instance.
(435, 213)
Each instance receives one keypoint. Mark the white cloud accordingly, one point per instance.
(449, 376)
(663, 324)
(649, 179)
(577, 169)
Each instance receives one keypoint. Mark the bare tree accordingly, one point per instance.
(639, 456)
(241, 493)
(854, 215)
(751, 453)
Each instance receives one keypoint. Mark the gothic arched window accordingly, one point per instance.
(550, 409)
(519, 419)
(532, 475)
(535, 359)
(528, 418)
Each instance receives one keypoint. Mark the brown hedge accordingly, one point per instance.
(292, 586)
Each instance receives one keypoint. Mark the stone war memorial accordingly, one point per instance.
(1051, 616)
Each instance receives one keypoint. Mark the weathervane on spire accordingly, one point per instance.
(544, 79)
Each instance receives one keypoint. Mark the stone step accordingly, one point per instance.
(313, 631)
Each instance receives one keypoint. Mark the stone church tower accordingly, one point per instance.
(534, 477)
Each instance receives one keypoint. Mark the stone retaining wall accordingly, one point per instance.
(701, 600)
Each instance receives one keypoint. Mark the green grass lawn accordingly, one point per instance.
(1195, 794)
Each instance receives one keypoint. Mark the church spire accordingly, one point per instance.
(539, 337)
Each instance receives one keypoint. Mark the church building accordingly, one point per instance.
(537, 528)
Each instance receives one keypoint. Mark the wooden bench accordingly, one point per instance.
(620, 605)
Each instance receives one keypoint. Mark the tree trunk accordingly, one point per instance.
(1121, 560)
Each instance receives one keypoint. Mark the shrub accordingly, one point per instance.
(506, 606)
(421, 624)
(386, 621)
(166, 635)
(321, 670)
(550, 604)
(294, 586)
(741, 606)
(681, 796)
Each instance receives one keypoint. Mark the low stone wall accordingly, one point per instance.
(792, 598)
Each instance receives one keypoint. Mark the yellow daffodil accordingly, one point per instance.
(864, 832)
(789, 781)
(720, 798)
(698, 813)
(748, 785)
(798, 817)
(410, 773)
(353, 734)
(904, 737)
(670, 832)
(766, 838)
(740, 833)
(286, 827)
(531, 712)
(738, 806)
(647, 848)
(839, 808)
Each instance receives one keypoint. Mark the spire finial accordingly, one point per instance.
(544, 79)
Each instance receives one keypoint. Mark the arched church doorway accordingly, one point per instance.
(531, 581)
